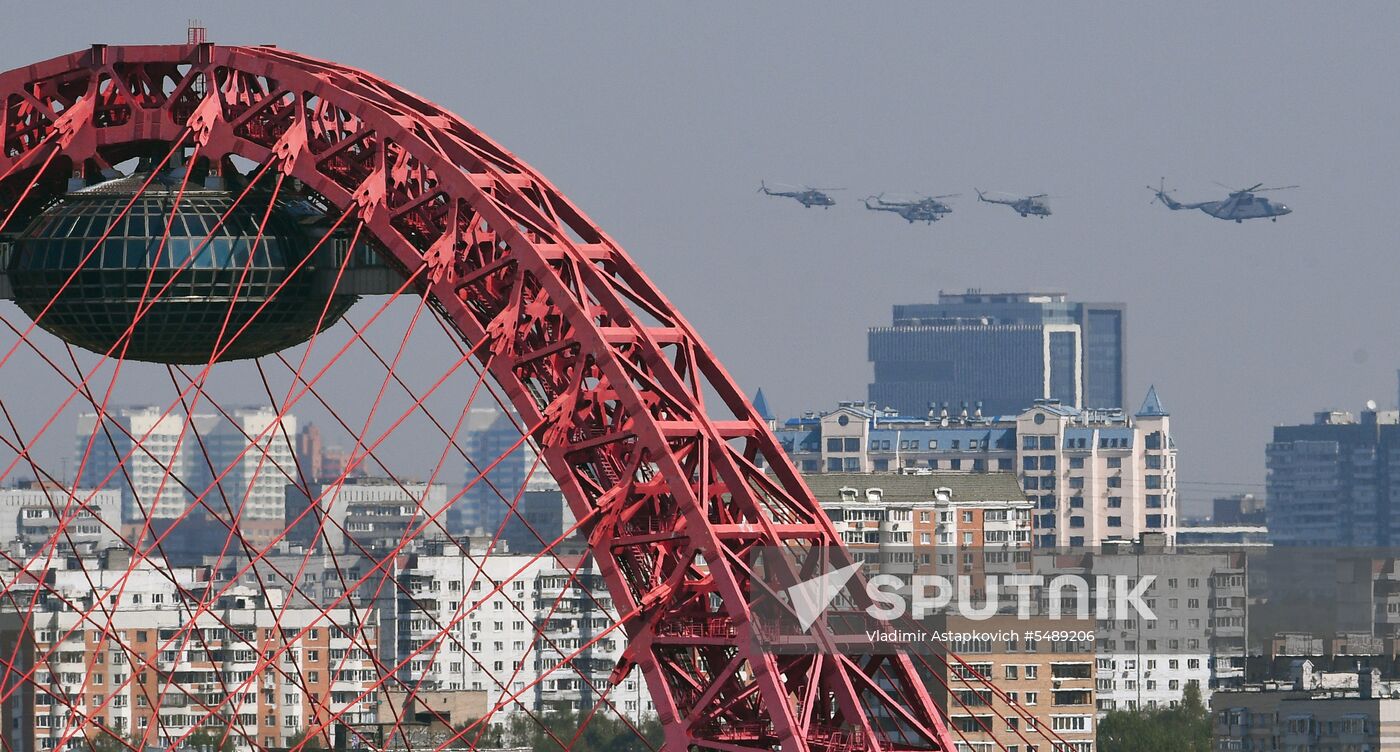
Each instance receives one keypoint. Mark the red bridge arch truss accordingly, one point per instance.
(651, 441)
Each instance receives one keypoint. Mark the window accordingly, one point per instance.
(1030, 462)
(1115, 522)
(1069, 723)
(1047, 462)
(1115, 502)
(833, 445)
(1115, 462)
(1029, 442)
(853, 445)
(1076, 463)
(1115, 482)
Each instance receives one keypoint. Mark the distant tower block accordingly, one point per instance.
(196, 33)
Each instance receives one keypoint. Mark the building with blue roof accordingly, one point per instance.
(1093, 475)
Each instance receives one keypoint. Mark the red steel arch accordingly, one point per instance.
(648, 436)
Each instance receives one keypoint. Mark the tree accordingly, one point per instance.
(109, 741)
(306, 741)
(210, 740)
(1184, 728)
(557, 727)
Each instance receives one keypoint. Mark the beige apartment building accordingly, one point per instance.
(1092, 475)
(159, 669)
(1047, 686)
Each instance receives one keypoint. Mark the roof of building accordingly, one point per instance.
(760, 405)
(1152, 405)
(899, 487)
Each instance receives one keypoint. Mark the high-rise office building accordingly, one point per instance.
(1002, 350)
(501, 470)
(1334, 482)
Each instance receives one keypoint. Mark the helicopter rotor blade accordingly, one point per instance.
(1276, 188)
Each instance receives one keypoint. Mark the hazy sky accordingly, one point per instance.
(660, 121)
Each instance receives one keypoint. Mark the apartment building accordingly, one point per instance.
(1048, 685)
(30, 513)
(1092, 475)
(365, 514)
(156, 458)
(945, 523)
(264, 669)
(1333, 482)
(1317, 711)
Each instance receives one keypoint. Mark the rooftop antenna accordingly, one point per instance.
(196, 33)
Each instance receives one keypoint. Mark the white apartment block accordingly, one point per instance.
(453, 621)
(152, 456)
(491, 606)
(255, 445)
(364, 514)
(1093, 475)
(1197, 636)
(30, 514)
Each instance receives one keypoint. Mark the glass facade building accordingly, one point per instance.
(218, 285)
(1002, 350)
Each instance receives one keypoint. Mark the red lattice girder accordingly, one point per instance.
(641, 426)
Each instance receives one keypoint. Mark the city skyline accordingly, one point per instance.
(736, 600)
(1015, 108)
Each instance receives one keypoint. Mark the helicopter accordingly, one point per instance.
(927, 209)
(808, 196)
(1025, 206)
(1241, 205)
